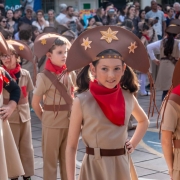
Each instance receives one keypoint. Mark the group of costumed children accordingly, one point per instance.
(104, 102)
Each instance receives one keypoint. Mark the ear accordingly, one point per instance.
(92, 69)
(48, 55)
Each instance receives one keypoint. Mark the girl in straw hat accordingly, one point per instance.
(170, 127)
(105, 103)
(11, 166)
(20, 119)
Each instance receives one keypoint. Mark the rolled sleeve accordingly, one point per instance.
(153, 48)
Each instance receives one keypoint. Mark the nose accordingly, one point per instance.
(111, 74)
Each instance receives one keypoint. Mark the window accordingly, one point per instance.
(48, 4)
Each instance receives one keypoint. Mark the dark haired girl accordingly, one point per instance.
(168, 48)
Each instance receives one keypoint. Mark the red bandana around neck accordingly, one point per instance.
(147, 37)
(176, 90)
(53, 68)
(111, 102)
(12, 72)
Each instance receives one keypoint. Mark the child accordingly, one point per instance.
(57, 88)
(170, 127)
(102, 110)
(144, 36)
(20, 119)
(10, 162)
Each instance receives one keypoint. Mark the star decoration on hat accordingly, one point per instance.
(132, 47)
(43, 42)
(21, 48)
(109, 35)
(86, 43)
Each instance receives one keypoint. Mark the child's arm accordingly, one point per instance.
(37, 106)
(142, 126)
(73, 136)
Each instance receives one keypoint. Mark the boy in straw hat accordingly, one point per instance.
(11, 166)
(55, 87)
(170, 126)
(105, 103)
(20, 119)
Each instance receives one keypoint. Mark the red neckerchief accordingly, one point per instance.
(53, 68)
(14, 71)
(111, 102)
(176, 90)
(147, 37)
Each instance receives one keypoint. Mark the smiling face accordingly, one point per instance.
(58, 55)
(108, 72)
(9, 61)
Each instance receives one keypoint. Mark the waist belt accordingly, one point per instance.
(107, 152)
(176, 143)
(21, 101)
(65, 107)
(172, 59)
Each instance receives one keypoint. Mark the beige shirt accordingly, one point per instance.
(171, 123)
(51, 96)
(22, 112)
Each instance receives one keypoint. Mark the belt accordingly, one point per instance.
(173, 60)
(107, 152)
(176, 143)
(65, 107)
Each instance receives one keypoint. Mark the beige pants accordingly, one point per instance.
(53, 147)
(23, 139)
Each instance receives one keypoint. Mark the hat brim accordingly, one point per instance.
(173, 29)
(4, 49)
(78, 57)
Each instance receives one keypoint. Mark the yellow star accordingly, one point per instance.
(109, 35)
(86, 43)
(132, 47)
(21, 48)
(43, 42)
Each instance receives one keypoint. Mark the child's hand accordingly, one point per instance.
(129, 146)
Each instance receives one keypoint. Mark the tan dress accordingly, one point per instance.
(166, 68)
(172, 123)
(10, 163)
(20, 123)
(98, 132)
(54, 125)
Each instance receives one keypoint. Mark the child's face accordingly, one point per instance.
(9, 61)
(36, 33)
(58, 55)
(145, 32)
(108, 72)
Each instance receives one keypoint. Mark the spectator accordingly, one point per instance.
(40, 22)
(141, 17)
(137, 8)
(160, 24)
(91, 23)
(159, 6)
(71, 21)
(3, 23)
(62, 13)
(10, 21)
(35, 33)
(123, 13)
(69, 35)
(170, 13)
(16, 35)
(27, 19)
(51, 18)
(152, 33)
(98, 17)
(131, 15)
(147, 9)
(176, 7)
(16, 19)
(110, 17)
(2, 4)
(128, 24)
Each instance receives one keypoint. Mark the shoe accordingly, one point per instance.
(148, 87)
(146, 94)
(26, 178)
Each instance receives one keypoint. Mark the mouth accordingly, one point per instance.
(111, 81)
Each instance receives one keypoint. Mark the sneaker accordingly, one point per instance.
(146, 94)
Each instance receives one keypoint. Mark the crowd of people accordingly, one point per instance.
(103, 62)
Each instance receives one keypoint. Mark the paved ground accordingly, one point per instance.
(147, 157)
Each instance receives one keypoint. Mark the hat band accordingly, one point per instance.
(172, 25)
(108, 56)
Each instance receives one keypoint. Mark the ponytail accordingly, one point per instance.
(129, 80)
(168, 44)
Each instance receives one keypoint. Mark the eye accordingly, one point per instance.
(117, 69)
(104, 69)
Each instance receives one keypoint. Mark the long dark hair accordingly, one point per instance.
(128, 81)
(169, 44)
(144, 27)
